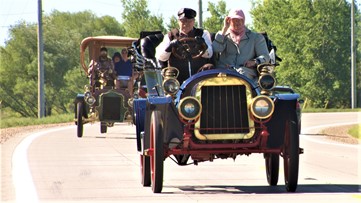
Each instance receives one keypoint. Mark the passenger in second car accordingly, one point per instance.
(238, 47)
(123, 68)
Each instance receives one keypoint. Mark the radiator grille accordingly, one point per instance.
(224, 110)
(112, 108)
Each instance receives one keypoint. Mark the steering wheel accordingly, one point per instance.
(189, 48)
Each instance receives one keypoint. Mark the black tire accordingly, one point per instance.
(272, 168)
(156, 143)
(291, 155)
(145, 170)
(79, 121)
(103, 127)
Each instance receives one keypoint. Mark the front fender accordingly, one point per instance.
(139, 109)
(80, 98)
(173, 127)
(285, 108)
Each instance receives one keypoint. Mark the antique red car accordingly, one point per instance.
(214, 114)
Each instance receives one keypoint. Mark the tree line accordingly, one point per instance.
(312, 38)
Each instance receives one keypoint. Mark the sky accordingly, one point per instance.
(14, 11)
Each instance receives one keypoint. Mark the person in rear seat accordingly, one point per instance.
(238, 47)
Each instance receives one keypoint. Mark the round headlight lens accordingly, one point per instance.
(262, 107)
(267, 82)
(189, 108)
(171, 86)
(87, 94)
(90, 100)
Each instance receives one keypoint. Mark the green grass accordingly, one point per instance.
(355, 131)
(8, 122)
(320, 110)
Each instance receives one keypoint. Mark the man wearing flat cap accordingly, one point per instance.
(186, 30)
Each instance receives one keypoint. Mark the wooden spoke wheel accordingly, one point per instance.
(291, 154)
(145, 170)
(79, 122)
(157, 158)
(103, 127)
(272, 168)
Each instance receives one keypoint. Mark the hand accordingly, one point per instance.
(226, 24)
(172, 44)
(250, 64)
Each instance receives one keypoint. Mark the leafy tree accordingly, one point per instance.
(218, 12)
(137, 18)
(18, 70)
(313, 38)
(358, 57)
(173, 23)
(63, 33)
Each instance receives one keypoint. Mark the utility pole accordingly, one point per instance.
(353, 58)
(41, 97)
(200, 13)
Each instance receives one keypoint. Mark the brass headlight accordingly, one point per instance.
(171, 86)
(87, 94)
(90, 100)
(266, 82)
(189, 108)
(262, 107)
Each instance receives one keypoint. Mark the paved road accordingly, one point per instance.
(56, 166)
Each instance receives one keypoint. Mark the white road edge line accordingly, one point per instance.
(22, 179)
(308, 129)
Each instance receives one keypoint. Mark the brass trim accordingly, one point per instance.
(223, 80)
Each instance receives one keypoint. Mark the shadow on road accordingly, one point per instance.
(312, 188)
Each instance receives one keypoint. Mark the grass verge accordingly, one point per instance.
(14, 121)
(312, 110)
(355, 131)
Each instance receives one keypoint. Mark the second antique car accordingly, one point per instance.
(101, 101)
(214, 114)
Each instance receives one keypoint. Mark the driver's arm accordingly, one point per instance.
(91, 66)
(161, 54)
(207, 39)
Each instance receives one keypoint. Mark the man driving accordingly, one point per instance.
(186, 30)
(103, 69)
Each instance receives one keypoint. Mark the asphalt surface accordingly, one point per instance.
(54, 165)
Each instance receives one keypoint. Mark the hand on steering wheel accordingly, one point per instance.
(189, 48)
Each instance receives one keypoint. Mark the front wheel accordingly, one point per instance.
(272, 168)
(145, 170)
(79, 122)
(291, 155)
(103, 127)
(157, 158)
